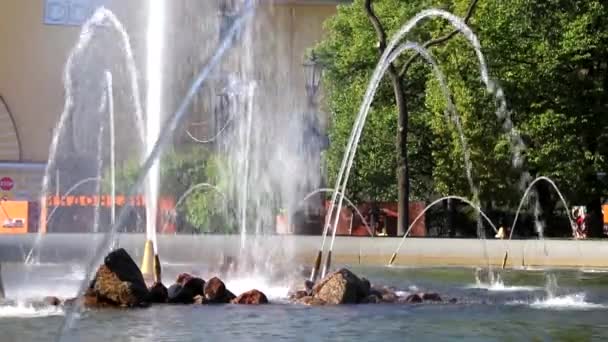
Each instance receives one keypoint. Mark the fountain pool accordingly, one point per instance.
(519, 309)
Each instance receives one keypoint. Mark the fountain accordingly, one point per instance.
(388, 56)
(155, 43)
(263, 171)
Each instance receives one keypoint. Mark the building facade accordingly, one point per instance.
(36, 37)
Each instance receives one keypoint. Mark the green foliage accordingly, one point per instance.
(350, 55)
(549, 56)
(205, 209)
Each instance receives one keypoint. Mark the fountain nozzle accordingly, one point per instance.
(147, 263)
(327, 265)
(393, 257)
(316, 266)
(504, 259)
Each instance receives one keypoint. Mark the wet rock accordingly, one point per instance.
(298, 294)
(118, 282)
(341, 287)
(177, 294)
(371, 299)
(200, 300)
(311, 301)
(53, 301)
(364, 288)
(431, 296)
(308, 285)
(413, 299)
(453, 301)
(195, 285)
(121, 264)
(215, 291)
(158, 293)
(110, 289)
(386, 295)
(182, 278)
(252, 297)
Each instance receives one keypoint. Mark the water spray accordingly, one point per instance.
(473, 205)
(164, 138)
(364, 109)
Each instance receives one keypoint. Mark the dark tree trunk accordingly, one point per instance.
(403, 177)
(402, 127)
(450, 218)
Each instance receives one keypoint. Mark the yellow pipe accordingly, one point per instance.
(504, 259)
(393, 257)
(147, 263)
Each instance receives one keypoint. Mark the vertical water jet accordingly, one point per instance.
(155, 46)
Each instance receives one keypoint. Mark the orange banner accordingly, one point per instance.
(93, 201)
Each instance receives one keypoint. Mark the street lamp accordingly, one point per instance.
(313, 70)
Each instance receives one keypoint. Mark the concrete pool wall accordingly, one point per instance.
(347, 250)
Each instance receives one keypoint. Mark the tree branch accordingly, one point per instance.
(440, 40)
(377, 25)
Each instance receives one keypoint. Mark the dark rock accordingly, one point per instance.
(118, 282)
(54, 301)
(341, 287)
(371, 299)
(177, 294)
(308, 285)
(431, 296)
(216, 292)
(310, 300)
(298, 294)
(182, 278)
(389, 296)
(364, 288)
(453, 301)
(251, 297)
(158, 293)
(386, 295)
(110, 289)
(195, 285)
(120, 263)
(413, 298)
(200, 300)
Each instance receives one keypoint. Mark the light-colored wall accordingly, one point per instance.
(32, 56)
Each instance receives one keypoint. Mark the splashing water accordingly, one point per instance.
(101, 21)
(28, 310)
(434, 203)
(351, 148)
(348, 201)
(494, 283)
(155, 39)
(553, 301)
(163, 140)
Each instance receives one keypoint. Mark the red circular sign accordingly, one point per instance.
(6, 183)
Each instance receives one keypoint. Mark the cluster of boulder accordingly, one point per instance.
(120, 283)
(344, 287)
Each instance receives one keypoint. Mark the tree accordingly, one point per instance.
(204, 210)
(548, 56)
(555, 81)
(394, 13)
